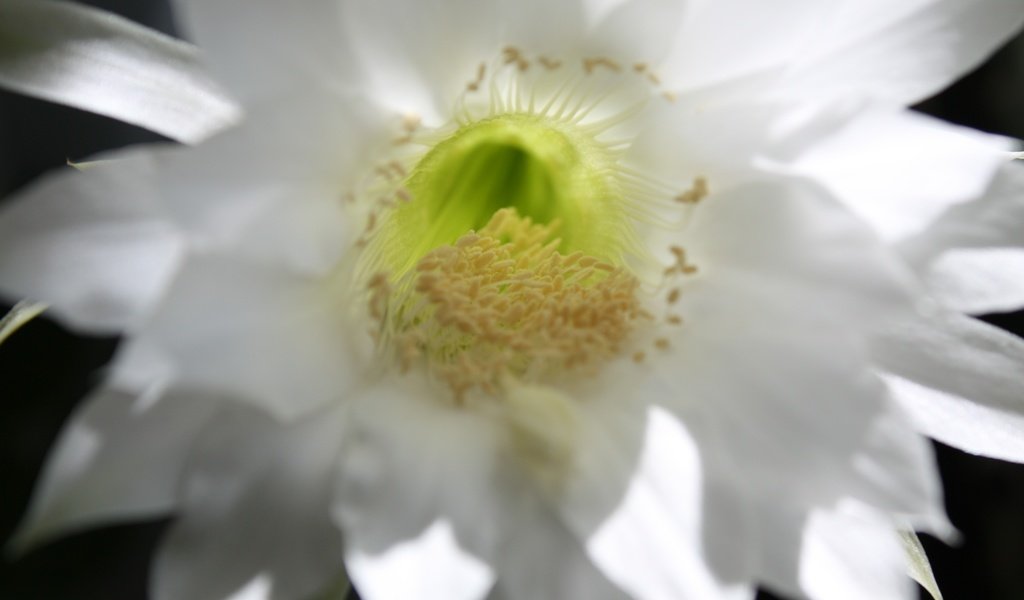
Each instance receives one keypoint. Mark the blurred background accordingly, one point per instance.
(45, 371)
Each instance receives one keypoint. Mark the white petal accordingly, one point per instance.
(992, 220)
(407, 69)
(274, 187)
(255, 500)
(541, 558)
(117, 460)
(252, 331)
(261, 48)
(971, 258)
(90, 59)
(92, 244)
(960, 380)
(720, 41)
(415, 465)
(542, 27)
(979, 280)
(417, 494)
(430, 566)
(651, 544)
(899, 54)
(852, 553)
(899, 171)
(637, 30)
(898, 474)
(756, 237)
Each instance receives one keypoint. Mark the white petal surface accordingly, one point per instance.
(721, 41)
(852, 553)
(262, 48)
(253, 331)
(900, 171)
(960, 380)
(431, 565)
(417, 496)
(274, 187)
(413, 465)
(255, 503)
(971, 257)
(419, 55)
(119, 459)
(899, 54)
(92, 244)
(978, 280)
(994, 219)
(90, 59)
(651, 544)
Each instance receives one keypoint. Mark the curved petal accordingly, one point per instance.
(255, 332)
(636, 30)
(978, 280)
(119, 459)
(80, 56)
(722, 41)
(407, 69)
(274, 187)
(429, 500)
(255, 504)
(960, 381)
(651, 544)
(757, 236)
(971, 258)
(898, 54)
(851, 553)
(992, 220)
(417, 495)
(899, 171)
(92, 244)
(261, 48)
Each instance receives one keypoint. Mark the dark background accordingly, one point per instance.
(45, 371)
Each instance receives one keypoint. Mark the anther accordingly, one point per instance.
(696, 193)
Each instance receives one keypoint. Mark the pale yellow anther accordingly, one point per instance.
(592, 64)
(503, 302)
(696, 193)
(549, 63)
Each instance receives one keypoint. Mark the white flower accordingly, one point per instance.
(734, 404)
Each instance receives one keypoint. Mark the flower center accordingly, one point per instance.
(504, 301)
(502, 257)
(543, 168)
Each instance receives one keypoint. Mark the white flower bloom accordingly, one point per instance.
(711, 381)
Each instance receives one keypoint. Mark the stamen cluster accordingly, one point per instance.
(505, 302)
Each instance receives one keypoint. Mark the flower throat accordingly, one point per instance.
(508, 259)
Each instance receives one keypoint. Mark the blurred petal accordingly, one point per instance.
(252, 331)
(80, 56)
(408, 70)
(899, 54)
(254, 502)
(851, 553)
(899, 171)
(978, 280)
(651, 544)
(972, 257)
(92, 244)
(960, 380)
(261, 48)
(120, 459)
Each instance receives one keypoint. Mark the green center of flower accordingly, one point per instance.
(547, 170)
(507, 261)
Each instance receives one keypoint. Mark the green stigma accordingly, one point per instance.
(545, 169)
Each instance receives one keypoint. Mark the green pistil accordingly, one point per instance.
(545, 169)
